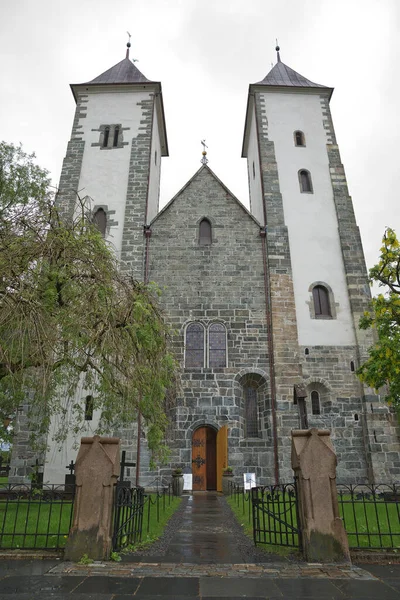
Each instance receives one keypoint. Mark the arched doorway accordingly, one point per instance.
(209, 458)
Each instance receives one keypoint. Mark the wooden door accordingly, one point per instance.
(222, 454)
(199, 456)
(211, 459)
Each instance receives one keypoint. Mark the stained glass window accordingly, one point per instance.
(194, 349)
(216, 346)
(251, 412)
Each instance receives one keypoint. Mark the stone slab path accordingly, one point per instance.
(202, 556)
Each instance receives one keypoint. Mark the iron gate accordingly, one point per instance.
(128, 515)
(275, 515)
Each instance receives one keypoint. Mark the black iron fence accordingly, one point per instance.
(275, 515)
(128, 515)
(136, 511)
(371, 515)
(33, 518)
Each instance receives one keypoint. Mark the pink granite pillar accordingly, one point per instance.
(97, 469)
(314, 463)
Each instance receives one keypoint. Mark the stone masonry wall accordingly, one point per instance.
(383, 457)
(222, 282)
(132, 251)
(287, 369)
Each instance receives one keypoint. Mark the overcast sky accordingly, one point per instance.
(205, 53)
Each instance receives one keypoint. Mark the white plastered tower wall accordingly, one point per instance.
(311, 218)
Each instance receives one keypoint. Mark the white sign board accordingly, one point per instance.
(249, 480)
(187, 481)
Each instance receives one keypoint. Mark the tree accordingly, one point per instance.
(382, 369)
(70, 317)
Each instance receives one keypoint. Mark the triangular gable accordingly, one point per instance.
(227, 190)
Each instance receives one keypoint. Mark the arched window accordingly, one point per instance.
(315, 403)
(100, 220)
(251, 411)
(88, 408)
(322, 306)
(305, 182)
(106, 137)
(216, 346)
(205, 233)
(116, 136)
(194, 346)
(299, 139)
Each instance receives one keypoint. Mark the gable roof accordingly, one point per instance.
(204, 168)
(123, 72)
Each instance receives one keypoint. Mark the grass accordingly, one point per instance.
(3, 480)
(34, 524)
(241, 513)
(373, 524)
(154, 523)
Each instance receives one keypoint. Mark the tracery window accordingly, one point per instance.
(205, 347)
(194, 347)
(216, 346)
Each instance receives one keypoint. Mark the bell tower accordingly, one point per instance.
(114, 156)
(317, 278)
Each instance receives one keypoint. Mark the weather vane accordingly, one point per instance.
(128, 45)
(204, 160)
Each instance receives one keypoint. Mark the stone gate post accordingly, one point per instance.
(314, 463)
(97, 469)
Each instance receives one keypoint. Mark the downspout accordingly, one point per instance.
(268, 312)
(147, 233)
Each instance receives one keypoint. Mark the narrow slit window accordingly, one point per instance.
(315, 403)
(352, 367)
(100, 220)
(89, 408)
(251, 411)
(106, 137)
(194, 347)
(205, 233)
(305, 182)
(322, 306)
(299, 138)
(116, 137)
(216, 346)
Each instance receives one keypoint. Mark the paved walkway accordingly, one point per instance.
(205, 557)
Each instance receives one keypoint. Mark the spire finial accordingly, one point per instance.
(277, 51)
(128, 45)
(204, 160)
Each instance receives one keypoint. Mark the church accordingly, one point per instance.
(264, 302)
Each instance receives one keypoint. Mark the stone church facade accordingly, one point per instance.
(260, 300)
